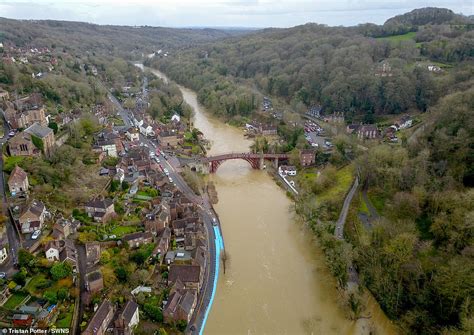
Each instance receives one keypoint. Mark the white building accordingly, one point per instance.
(52, 251)
(3, 254)
(133, 135)
(287, 170)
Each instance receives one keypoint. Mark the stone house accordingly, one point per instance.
(100, 210)
(94, 281)
(18, 181)
(169, 139)
(127, 319)
(45, 134)
(33, 217)
(189, 275)
(22, 145)
(367, 131)
(162, 246)
(180, 306)
(63, 228)
(92, 253)
(135, 240)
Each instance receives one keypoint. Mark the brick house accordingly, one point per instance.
(18, 181)
(307, 157)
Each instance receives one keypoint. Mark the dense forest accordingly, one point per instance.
(365, 71)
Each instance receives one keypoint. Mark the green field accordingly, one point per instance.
(399, 38)
(15, 300)
(343, 182)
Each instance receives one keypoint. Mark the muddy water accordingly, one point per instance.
(276, 281)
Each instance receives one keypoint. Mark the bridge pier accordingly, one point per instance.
(275, 163)
(261, 162)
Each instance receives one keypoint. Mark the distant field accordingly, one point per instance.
(399, 38)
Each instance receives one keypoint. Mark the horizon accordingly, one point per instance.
(223, 14)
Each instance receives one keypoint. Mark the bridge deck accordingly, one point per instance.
(243, 155)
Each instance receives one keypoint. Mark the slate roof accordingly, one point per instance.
(97, 203)
(185, 273)
(17, 175)
(130, 309)
(38, 130)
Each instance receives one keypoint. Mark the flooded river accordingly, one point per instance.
(276, 281)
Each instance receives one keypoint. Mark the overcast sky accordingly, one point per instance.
(213, 13)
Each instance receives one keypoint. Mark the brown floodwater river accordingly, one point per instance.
(276, 280)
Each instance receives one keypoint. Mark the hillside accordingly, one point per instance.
(80, 37)
(343, 69)
(428, 15)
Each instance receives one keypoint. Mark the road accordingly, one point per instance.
(353, 280)
(12, 234)
(339, 231)
(205, 210)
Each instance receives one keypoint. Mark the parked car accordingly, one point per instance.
(3, 275)
(35, 235)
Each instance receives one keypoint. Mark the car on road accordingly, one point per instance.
(11, 133)
(165, 170)
(3, 275)
(35, 235)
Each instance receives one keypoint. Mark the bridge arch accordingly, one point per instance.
(256, 161)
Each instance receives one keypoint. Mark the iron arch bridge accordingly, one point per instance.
(255, 160)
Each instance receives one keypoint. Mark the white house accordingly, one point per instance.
(404, 123)
(133, 135)
(176, 118)
(3, 254)
(146, 129)
(120, 175)
(52, 251)
(109, 148)
(287, 170)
